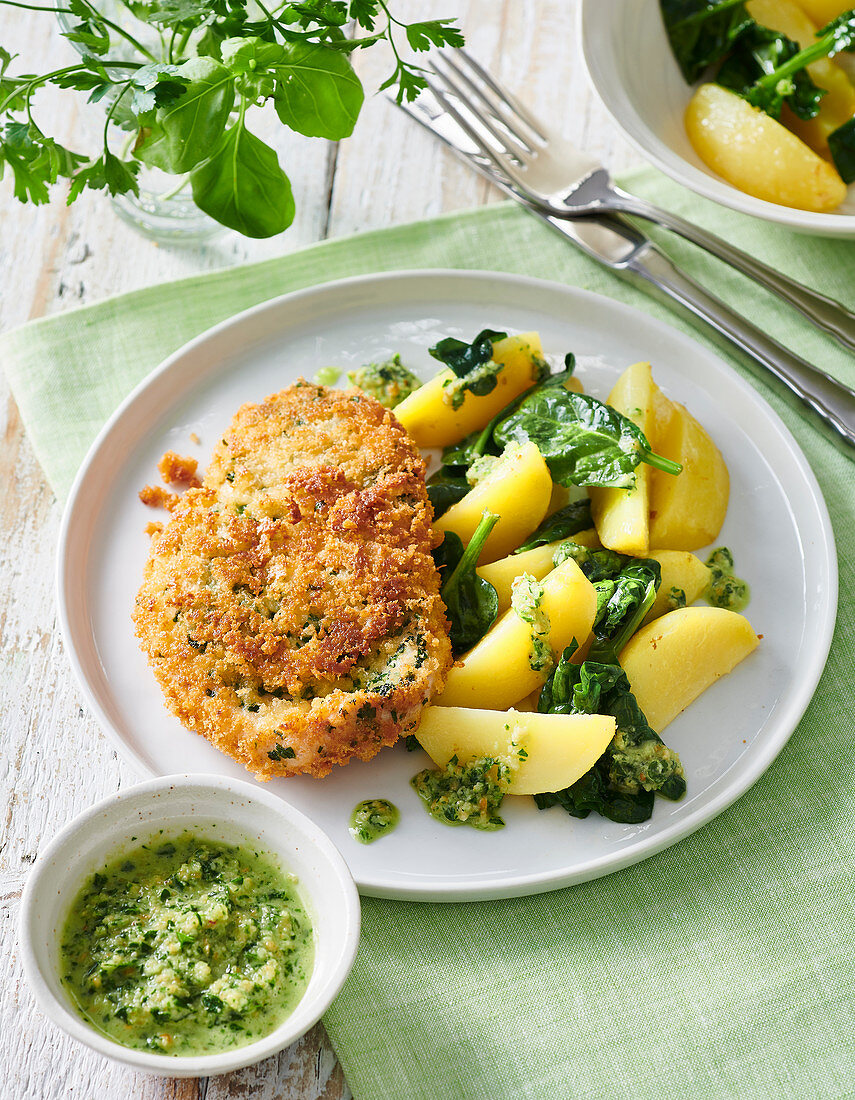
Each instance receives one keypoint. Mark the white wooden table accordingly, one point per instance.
(55, 761)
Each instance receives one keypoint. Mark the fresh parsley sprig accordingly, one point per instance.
(184, 99)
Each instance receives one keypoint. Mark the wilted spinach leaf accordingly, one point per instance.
(471, 601)
(626, 589)
(567, 521)
(702, 32)
(481, 442)
(445, 489)
(636, 762)
(762, 52)
(472, 363)
(583, 441)
(841, 142)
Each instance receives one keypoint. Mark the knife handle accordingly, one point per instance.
(827, 314)
(829, 399)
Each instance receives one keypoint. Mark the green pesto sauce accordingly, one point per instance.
(389, 382)
(187, 946)
(464, 794)
(527, 600)
(725, 590)
(327, 376)
(454, 389)
(373, 818)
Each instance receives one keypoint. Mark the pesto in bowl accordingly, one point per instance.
(187, 946)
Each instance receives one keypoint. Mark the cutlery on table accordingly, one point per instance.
(552, 174)
(625, 249)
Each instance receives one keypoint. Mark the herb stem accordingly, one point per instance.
(830, 44)
(473, 550)
(659, 462)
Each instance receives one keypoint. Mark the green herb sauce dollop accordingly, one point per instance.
(465, 794)
(187, 946)
(373, 818)
(725, 590)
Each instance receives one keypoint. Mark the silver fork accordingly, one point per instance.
(554, 176)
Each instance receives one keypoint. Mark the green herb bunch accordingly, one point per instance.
(184, 102)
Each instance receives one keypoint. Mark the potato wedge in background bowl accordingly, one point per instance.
(635, 74)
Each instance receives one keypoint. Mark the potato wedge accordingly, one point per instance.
(672, 660)
(547, 752)
(758, 155)
(682, 570)
(431, 422)
(497, 672)
(517, 489)
(823, 11)
(621, 516)
(687, 511)
(537, 563)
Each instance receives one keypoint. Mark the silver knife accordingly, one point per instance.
(622, 247)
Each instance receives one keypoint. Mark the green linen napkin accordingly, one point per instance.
(723, 967)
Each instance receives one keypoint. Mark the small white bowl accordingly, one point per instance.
(218, 808)
(633, 71)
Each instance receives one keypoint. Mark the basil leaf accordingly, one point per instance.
(317, 92)
(243, 187)
(183, 132)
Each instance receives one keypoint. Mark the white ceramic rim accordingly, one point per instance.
(522, 884)
(653, 149)
(209, 1064)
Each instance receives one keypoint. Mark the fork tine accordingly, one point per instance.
(458, 76)
(484, 149)
(504, 96)
(505, 139)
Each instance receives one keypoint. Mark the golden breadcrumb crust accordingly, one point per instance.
(290, 608)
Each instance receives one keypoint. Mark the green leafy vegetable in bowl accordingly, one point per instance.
(180, 76)
(762, 64)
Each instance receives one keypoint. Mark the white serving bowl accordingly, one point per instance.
(633, 71)
(218, 808)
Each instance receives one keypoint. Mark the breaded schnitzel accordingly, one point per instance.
(290, 609)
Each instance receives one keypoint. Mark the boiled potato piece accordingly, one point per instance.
(621, 516)
(823, 11)
(672, 660)
(431, 422)
(537, 563)
(547, 752)
(687, 511)
(838, 104)
(517, 489)
(680, 569)
(758, 155)
(497, 672)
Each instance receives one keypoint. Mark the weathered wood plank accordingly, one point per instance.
(54, 761)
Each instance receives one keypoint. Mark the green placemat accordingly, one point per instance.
(723, 967)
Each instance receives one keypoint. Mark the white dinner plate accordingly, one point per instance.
(777, 526)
